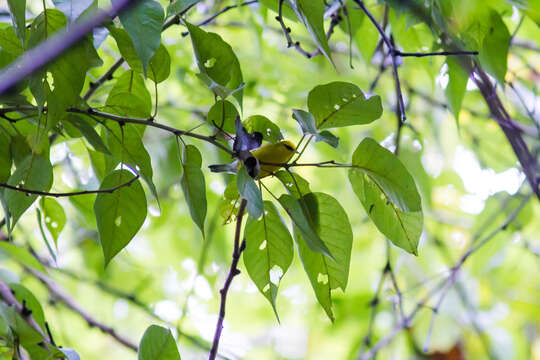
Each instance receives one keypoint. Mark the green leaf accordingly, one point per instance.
(9, 41)
(18, 16)
(34, 173)
(5, 156)
(335, 231)
(21, 255)
(228, 207)
(120, 214)
(158, 343)
(311, 13)
(180, 6)
(494, 52)
(131, 152)
(269, 251)
(388, 193)
(88, 132)
(222, 115)
(25, 296)
(54, 216)
(307, 123)
(267, 128)
(129, 97)
(72, 8)
(216, 59)
(293, 183)
(457, 84)
(160, 63)
(193, 185)
(144, 22)
(26, 334)
(303, 213)
(340, 103)
(249, 191)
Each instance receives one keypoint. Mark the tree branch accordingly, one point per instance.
(67, 194)
(233, 271)
(60, 294)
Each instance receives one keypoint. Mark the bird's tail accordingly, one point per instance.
(230, 168)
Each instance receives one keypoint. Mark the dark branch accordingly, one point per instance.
(233, 271)
(67, 194)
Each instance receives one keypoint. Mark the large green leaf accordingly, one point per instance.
(129, 97)
(311, 14)
(304, 215)
(222, 115)
(494, 52)
(21, 255)
(34, 173)
(340, 103)
(249, 191)
(261, 124)
(158, 343)
(18, 16)
(216, 59)
(193, 185)
(144, 22)
(269, 251)
(335, 231)
(160, 63)
(388, 193)
(126, 145)
(119, 214)
(457, 84)
(54, 216)
(5, 156)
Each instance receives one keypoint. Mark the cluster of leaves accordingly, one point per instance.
(54, 105)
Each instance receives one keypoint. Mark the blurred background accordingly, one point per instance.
(467, 173)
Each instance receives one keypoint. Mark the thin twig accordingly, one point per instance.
(67, 194)
(233, 271)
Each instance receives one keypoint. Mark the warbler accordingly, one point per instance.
(279, 153)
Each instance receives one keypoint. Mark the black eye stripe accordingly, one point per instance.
(289, 147)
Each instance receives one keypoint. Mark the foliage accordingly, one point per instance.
(110, 144)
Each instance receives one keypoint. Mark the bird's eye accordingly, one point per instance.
(289, 147)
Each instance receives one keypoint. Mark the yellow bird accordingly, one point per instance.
(279, 153)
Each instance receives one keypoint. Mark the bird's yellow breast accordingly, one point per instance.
(279, 153)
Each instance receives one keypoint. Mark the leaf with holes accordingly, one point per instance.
(296, 185)
(339, 103)
(193, 185)
(261, 124)
(388, 193)
(144, 23)
(119, 214)
(269, 251)
(249, 191)
(33, 173)
(216, 59)
(158, 343)
(54, 216)
(335, 231)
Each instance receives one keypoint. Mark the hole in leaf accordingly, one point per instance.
(322, 278)
(266, 288)
(118, 221)
(263, 245)
(337, 107)
(276, 273)
(54, 224)
(210, 63)
(47, 219)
